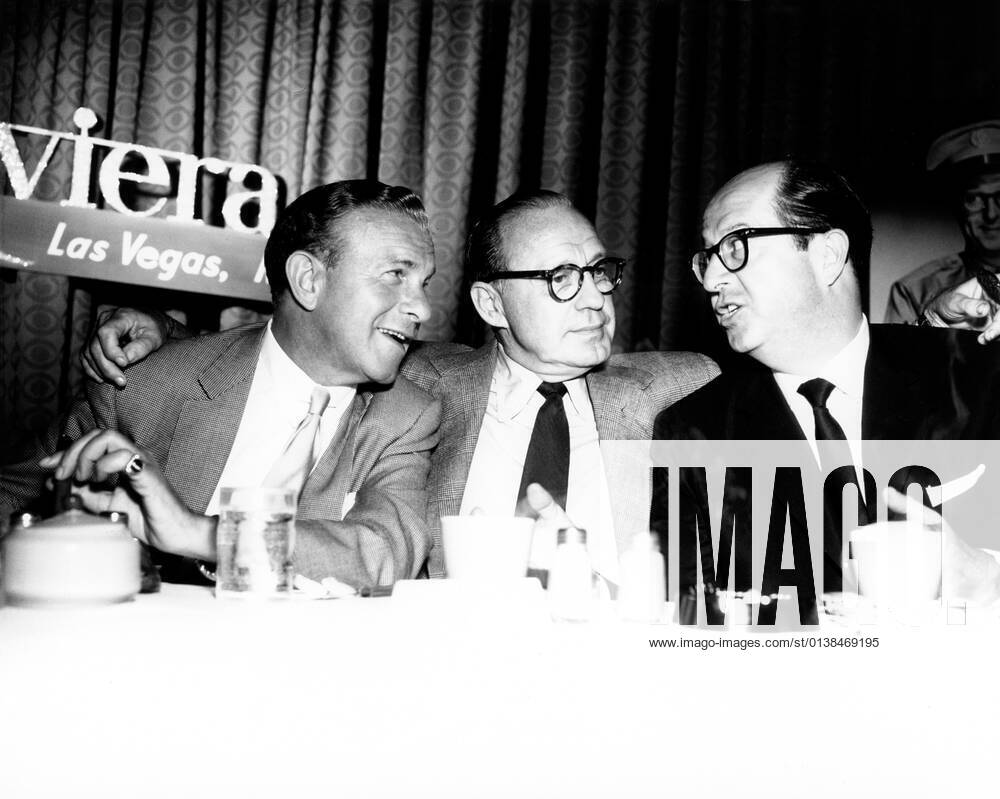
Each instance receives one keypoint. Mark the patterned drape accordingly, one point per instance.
(638, 109)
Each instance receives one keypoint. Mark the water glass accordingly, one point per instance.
(256, 536)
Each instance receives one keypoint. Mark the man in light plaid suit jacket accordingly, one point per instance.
(483, 436)
(348, 265)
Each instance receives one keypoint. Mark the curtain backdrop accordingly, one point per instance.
(638, 109)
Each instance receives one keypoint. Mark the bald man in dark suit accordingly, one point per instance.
(785, 244)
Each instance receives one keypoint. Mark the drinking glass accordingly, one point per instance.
(256, 536)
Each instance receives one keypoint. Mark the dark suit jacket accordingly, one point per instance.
(919, 383)
(184, 404)
(626, 393)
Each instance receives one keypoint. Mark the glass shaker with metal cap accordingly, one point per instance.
(15, 522)
(570, 576)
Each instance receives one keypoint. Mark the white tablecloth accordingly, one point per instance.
(178, 694)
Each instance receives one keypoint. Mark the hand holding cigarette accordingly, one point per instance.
(157, 516)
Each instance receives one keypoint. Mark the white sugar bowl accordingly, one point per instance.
(71, 558)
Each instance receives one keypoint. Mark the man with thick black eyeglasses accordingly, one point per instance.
(566, 280)
(786, 242)
(533, 406)
(732, 250)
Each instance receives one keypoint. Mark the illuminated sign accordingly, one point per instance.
(145, 246)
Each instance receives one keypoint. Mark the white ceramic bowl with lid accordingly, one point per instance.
(74, 557)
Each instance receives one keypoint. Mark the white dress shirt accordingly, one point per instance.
(846, 370)
(278, 401)
(498, 461)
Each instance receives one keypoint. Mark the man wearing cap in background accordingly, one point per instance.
(960, 290)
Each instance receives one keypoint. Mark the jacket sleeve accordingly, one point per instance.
(902, 307)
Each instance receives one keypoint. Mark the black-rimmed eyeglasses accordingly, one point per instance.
(566, 280)
(733, 251)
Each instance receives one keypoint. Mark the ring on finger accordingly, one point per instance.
(134, 466)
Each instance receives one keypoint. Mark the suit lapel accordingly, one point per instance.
(759, 411)
(329, 483)
(615, 395)
(464, 389)
(206, 427)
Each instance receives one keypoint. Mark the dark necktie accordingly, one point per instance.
(818, 391)
(833, 455)
(547, 460)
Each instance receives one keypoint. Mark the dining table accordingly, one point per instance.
(447, 689)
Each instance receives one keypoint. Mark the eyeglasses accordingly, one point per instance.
(565, 281)
(733, 251)
(975, 202)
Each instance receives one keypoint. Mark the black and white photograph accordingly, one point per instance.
(499, 398)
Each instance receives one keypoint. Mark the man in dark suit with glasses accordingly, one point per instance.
(786, 243)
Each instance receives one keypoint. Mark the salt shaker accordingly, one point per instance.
(570, 576)
(642, 594)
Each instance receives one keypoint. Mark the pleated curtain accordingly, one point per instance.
(637, 109)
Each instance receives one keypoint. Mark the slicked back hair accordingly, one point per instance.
(484, 251)
(811, 194)
(310, 222)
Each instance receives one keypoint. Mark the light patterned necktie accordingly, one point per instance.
(296, 461)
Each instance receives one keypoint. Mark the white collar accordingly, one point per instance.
(283, 376)
(513, 387)
(846, 369)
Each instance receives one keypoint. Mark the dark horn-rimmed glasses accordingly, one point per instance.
(566, 280)
(733, 250)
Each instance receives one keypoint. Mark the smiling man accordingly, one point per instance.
(348, 265)
(960, 289)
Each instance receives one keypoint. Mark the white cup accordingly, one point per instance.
(486, 548)
(897, 564)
